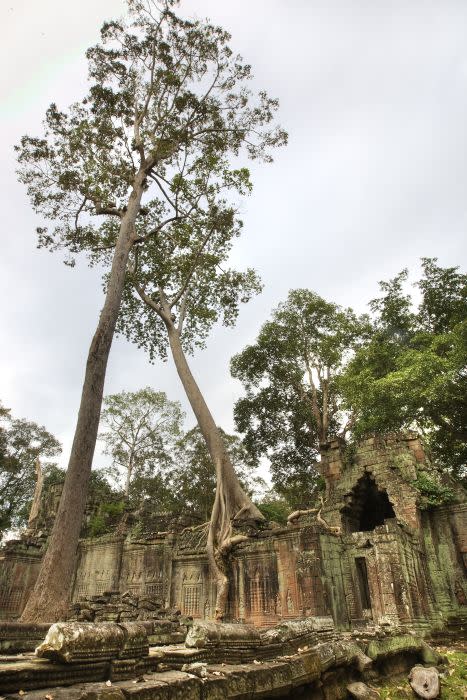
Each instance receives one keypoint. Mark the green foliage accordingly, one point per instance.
(179, 264)
(168, 106)
(274, 508)
(186, 482)
(350, 452)
(22, 442)
(432, 493)
(193, 477)
(140, 432)
(412, 372)
(105, 518)
(289, 374)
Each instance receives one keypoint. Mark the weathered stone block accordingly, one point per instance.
(425, 682)
(215, 688)
(94, 691)
(361, 691)
(295, 629)
(171, 685)
(18, 637)
(389, 646)
(205, 633)
(71, 642)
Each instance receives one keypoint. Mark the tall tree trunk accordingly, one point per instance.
(49, 599)
(231, 502)
(129, 472)
(128, 480)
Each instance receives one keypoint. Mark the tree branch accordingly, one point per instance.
(194, 264)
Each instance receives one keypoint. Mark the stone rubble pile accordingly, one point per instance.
(113, 606)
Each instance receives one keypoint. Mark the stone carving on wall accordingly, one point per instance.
(278, 609)
(192, 589)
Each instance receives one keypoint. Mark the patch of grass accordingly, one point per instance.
(453, 680)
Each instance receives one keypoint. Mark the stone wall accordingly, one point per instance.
(372, 554)
(19, 566)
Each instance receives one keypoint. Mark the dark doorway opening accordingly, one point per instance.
(368, 507)
(362, 583)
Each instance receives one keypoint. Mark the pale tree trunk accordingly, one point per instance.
(129, 472)
(314, 404)
(128, 480)
(325, 425)
(36, 501)
(49, 600)
(231, 502)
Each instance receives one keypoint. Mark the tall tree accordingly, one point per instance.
(291, 404)
(179, 287)
(166, 95)
(175, 303)
(22, 443)
(140, 432)
(412, 372)
(179, 283)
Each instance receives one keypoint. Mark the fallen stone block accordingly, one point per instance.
(17, 637)
(389, 646)
(204, 634)
(198, 668)
(42, 673)
(135, 643)
(425, 682)
(361, 691)
(295, 629)
(72, 642)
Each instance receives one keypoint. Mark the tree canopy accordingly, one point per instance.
(291, 402)
(22, 442)
(194, 477)
(139, 430)
(412, 372)
(184, 481)
(137, 163)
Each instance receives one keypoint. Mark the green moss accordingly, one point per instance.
(348, 454)
(105, 518)
(404, 463)
(393, 645)
(454, 684)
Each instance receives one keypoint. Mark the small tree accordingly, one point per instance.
(22, 443)
(167, 98)
(140, 431)
(292, 404)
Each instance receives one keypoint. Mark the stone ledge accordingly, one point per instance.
(332, 664)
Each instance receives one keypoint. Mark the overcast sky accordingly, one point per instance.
(374, 97)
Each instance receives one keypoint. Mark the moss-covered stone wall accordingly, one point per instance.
(375, 551)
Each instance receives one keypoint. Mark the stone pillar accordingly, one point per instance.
(36, 501)
(332, 463)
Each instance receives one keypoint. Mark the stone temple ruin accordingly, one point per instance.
(374, 562)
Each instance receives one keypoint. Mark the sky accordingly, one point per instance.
(373, 94)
